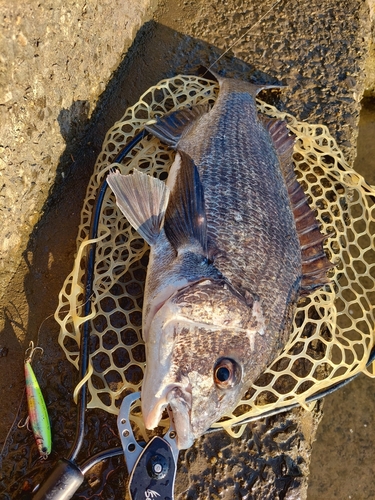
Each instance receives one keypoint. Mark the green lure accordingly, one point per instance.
(38, 415)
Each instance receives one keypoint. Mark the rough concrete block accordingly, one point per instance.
(56, 59)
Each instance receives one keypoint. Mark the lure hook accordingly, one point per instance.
(31, 350)
(25, 423)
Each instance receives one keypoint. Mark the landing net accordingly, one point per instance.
(333, 328)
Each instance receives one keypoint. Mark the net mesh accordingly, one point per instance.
(333, 328)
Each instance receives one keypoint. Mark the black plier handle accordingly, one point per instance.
(152, 468)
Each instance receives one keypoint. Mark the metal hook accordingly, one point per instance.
(30, 352)
(24, 424)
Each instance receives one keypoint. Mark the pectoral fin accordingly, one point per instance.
(143, 200)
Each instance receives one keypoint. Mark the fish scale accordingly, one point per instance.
(264, 245)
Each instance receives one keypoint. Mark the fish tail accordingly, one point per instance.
(228, 85)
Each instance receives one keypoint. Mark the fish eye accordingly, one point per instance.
(227, 373)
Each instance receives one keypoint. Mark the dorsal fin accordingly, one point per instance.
(185, 218)
(314, 261)
(283, 142)
(142, 199)
(172, 126)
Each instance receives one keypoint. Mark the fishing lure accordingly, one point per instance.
(38, 415)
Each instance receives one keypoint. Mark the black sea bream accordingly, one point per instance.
(233, 246)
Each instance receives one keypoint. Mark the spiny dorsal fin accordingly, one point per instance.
(185, 218)
(314, 261)
(172, 126)
(142, 199)
(283, 143)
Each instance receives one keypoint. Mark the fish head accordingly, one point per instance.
(199, 357)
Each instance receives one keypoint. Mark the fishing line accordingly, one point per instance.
(243, 36)
(2, 452)
(51, 316)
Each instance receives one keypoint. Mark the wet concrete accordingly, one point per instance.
(342, 464)
(319, 54)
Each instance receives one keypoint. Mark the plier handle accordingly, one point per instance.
(152, 468)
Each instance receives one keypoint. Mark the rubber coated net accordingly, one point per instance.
(333, 329)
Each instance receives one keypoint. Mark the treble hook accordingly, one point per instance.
(30, 352)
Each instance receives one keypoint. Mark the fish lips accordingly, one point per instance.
(181, 410)
(179, 400)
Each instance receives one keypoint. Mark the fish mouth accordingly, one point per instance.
(179, 399)
(180, 404)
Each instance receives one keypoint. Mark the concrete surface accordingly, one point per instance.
(319, 50)
(370, 64)
(56, 60)
(342, 463)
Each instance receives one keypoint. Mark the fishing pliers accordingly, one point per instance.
(152, 468)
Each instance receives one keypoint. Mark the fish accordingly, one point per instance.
(233, 245)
